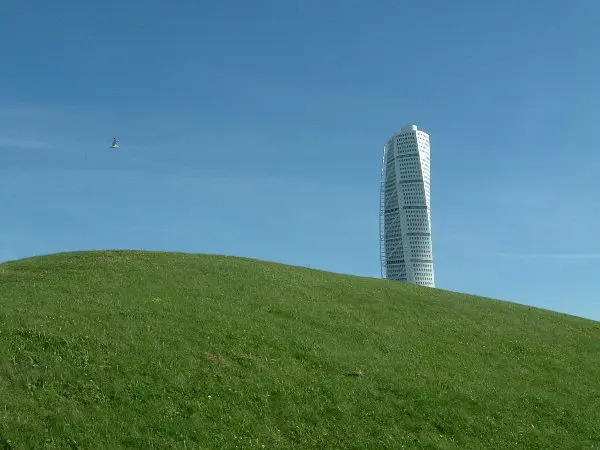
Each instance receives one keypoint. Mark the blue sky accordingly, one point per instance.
(256, 129)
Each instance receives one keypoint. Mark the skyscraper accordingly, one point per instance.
(405, 217)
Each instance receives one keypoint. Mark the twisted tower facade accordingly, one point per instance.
(405, 217)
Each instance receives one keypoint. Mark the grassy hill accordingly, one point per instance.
(161, 350)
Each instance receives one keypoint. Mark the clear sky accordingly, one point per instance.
(256, 128)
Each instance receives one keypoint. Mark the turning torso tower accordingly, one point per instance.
(405, 219)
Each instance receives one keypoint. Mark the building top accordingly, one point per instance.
(407, 128)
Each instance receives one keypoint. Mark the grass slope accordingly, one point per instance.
(154, 350)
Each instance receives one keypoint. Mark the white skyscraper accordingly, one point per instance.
(405, 218)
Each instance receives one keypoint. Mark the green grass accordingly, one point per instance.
(160, 350)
